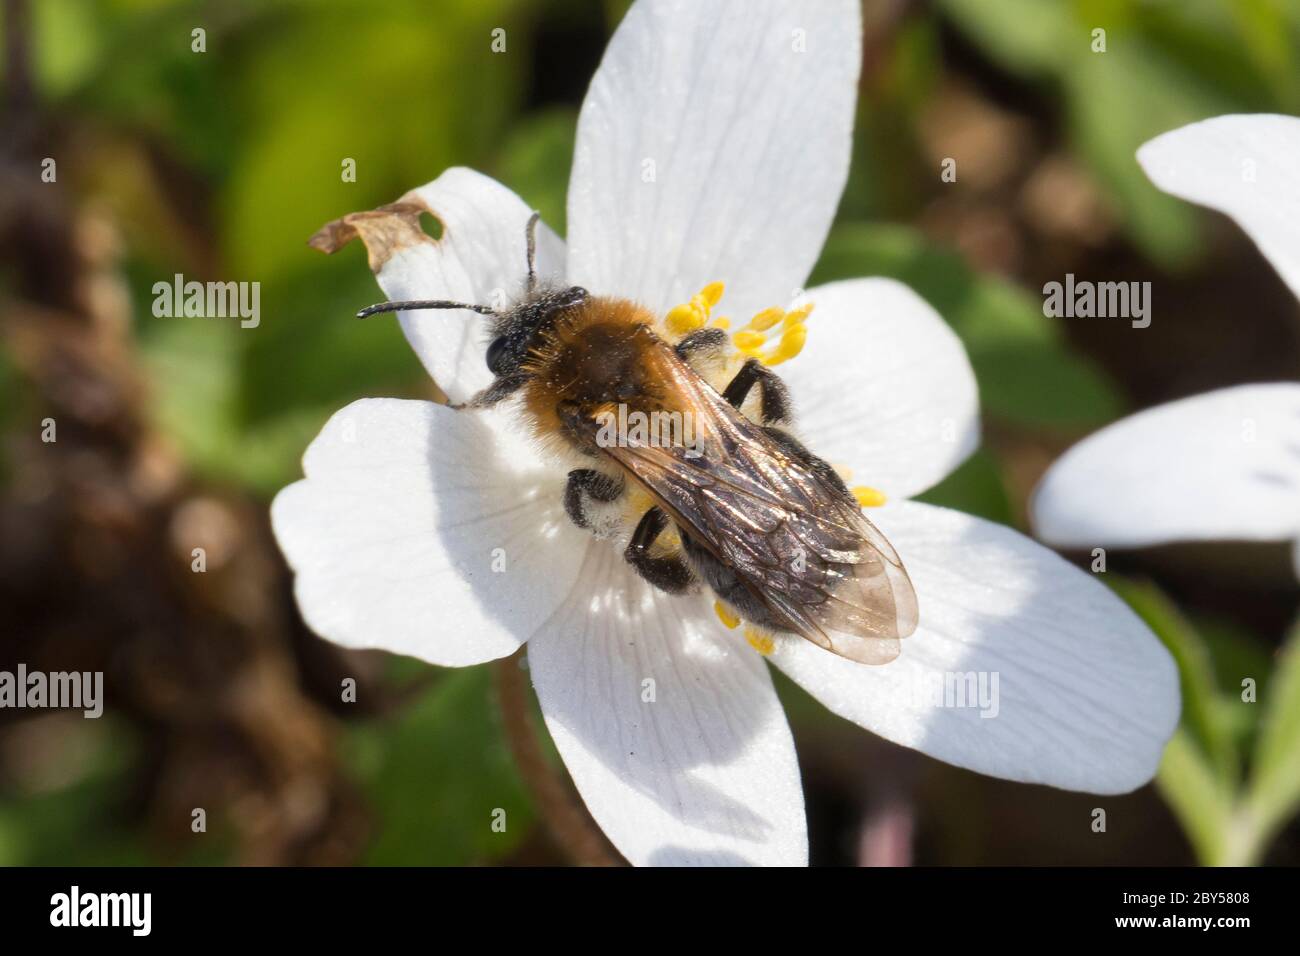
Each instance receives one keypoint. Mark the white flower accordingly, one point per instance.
(1224, 465)
(667, 721)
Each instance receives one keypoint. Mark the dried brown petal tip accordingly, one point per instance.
(385, 231)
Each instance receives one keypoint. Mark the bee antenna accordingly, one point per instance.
(530, 232)
(416, 304)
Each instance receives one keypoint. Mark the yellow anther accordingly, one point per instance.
(728, 619)
(791, 344)
(722, 322)
(759, 641)
(766, 319)
(685, 318)
(693, 315)
(749, 341)
(795, 316)
(868, 497)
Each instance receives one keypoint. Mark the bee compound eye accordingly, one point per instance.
(495, 353)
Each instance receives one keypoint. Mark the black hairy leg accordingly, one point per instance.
(774, 397)
(500, 389)
(669, 574)
(584, 484)
(700, 342)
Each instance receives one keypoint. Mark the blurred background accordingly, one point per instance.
(220, 164)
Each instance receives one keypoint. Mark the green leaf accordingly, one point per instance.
(1196, 793)
(1027, 376)
(435, 775)
(1116, 102)
(1029, 37)
(1235, 655)
(1273, 796)
(1202, 699)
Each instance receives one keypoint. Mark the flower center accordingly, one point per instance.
(750, 340)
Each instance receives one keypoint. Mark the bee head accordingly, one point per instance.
(515, 332)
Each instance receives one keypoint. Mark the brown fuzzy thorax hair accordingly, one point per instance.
(595, 356)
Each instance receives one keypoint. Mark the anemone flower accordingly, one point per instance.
(1224, 465)
(712, 146)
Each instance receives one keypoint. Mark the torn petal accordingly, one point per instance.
(480, 258)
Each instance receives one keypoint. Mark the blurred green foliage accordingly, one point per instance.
(436, 774)
(1232, 770)
(1166, 63)
(251, 136)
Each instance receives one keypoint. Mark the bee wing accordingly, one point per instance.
(789, 534)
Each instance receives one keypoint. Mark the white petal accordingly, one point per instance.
(394, 533)
(1085, 695)
(703, 774)
(714, 144)
(1224, 465)
(884, 385)
(480, 258)
(1244, 166)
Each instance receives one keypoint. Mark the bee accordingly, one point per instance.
(759, 519)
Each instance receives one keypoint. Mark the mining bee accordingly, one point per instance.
(766, 524)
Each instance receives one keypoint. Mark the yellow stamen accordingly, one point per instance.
(766, 319)
(759, 641)
(868, 497)
(728, 619)
(684, 318)
(748, 341)
(795, 316)
(689, 316)
(722, 322)
(791, 344)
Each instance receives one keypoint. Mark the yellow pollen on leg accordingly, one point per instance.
(759, 641)
(728, 619)
(868, 497)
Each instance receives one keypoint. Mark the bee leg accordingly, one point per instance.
(819, 466)
(588, 483)
(774, 397)
(500, 389)
(667, 574)
(699, 343)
